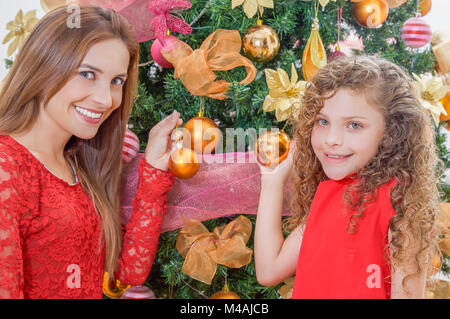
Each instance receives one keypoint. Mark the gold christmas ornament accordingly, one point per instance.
(251, 7)
(113, 289)
(314, 56)
(261, 43)
(225, 294)
(424, 7)
(431, 89)
(203, 134)
(19, 30)
(370, 13)
(184, 163)
(395, 3)
(284, 95)
(446, 104)
(272, 148)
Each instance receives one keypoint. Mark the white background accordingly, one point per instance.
(438, 17)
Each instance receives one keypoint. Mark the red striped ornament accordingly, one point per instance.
(416, 33)
(130, 146)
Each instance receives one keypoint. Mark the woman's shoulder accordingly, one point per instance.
(12, 154)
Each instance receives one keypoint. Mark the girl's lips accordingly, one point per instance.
(336, 160)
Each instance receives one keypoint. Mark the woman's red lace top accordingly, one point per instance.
(50, 243)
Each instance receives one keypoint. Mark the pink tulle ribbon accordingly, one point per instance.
(226, 184)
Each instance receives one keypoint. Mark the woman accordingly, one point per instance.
(63, 113)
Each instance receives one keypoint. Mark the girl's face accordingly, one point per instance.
(346, 133)
(92, 93)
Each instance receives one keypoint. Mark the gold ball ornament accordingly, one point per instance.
(113, 289)
(370, 13)
(261, 43)
(203, 134)
(424, 7)
(225, 293)
(184, 163)
(272, 148)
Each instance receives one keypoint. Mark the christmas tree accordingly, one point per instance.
(160, 93)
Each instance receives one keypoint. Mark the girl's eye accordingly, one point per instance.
(354, 125)
(121, 81)
(322, 122)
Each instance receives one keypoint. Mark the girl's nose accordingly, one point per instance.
(333, 137)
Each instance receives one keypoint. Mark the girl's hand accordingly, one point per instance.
(161, 142)
(280, 173)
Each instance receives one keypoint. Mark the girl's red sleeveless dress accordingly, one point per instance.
(334, 263)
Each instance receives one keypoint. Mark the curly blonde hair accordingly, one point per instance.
(407, 152)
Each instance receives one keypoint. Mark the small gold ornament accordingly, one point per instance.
(113, 289)
(261, 43)
(370, 13)
(204, 134)
(225, 294)
(314, 56)
(272, 148)
(424, 7)
(184, 163)
(19, 30)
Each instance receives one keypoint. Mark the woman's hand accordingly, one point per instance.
(161, 142)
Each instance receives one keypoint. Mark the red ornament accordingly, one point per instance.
(334, 55)
(130, 146)
(156, 51)
(416, 33)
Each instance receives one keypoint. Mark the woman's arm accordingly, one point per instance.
(13, 206)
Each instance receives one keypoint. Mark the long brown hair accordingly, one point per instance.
(46, 62)
(407, 153)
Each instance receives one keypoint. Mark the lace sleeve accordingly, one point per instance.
(14, 212)
(141, 236)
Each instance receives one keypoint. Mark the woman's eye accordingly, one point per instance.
(322, 122)
(354, 125)
(85, 74)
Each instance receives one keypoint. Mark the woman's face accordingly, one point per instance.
(346, 133)
(92, 93)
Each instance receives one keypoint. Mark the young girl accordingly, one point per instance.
(63, 113)
(366, 195)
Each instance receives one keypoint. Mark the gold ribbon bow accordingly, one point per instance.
(203, 250)
(219, 52)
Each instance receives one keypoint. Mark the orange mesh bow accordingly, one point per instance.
(219, 52)
(203, 250)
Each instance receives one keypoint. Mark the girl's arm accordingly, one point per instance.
(275, 257)
(415, 285)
